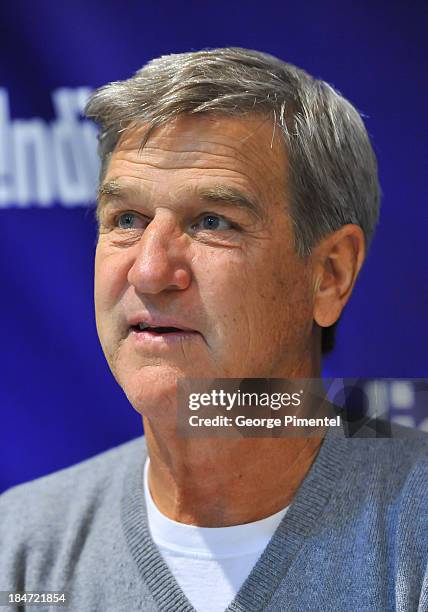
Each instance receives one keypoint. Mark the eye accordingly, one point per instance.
(129, 220)
(212, 222)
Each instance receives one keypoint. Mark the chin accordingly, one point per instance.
(152, 390)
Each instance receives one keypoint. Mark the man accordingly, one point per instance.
(237, 200)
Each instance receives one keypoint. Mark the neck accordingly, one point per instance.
(218, 482)
(214, 482)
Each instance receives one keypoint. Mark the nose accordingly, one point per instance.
(160, 263)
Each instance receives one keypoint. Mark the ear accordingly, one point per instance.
(337, 260)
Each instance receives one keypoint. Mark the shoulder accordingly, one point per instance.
(391, 474)
(62, 487)
(38, 513)
(388, 451)
(382, 465)
(402, 462)
(49, 523)
(395, 449)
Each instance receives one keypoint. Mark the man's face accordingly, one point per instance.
(195, 235)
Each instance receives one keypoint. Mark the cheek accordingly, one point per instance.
(110, 279)
(110, 282)
(222, 282)
(289, 305)
(279, 298)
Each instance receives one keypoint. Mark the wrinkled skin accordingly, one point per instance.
(241, 285)
(228, 272)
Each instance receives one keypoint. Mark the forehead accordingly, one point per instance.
(241, 151)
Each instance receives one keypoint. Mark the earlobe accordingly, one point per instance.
(337, 261)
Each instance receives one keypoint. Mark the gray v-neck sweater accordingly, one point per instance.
(355, 537)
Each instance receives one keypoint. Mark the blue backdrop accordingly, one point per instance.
(59, 402)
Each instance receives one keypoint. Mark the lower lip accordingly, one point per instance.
(147, 338)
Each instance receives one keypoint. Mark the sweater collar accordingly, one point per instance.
(303, 517)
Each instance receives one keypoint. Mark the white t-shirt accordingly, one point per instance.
(209, 563)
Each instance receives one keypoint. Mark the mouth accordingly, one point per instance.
(154, 336)
(158, 330)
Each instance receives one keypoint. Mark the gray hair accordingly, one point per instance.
(332, 167)
(333, 170)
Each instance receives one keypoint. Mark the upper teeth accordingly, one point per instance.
(143, 326)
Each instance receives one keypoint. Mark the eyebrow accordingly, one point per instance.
(222, 194)
(110, 188)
